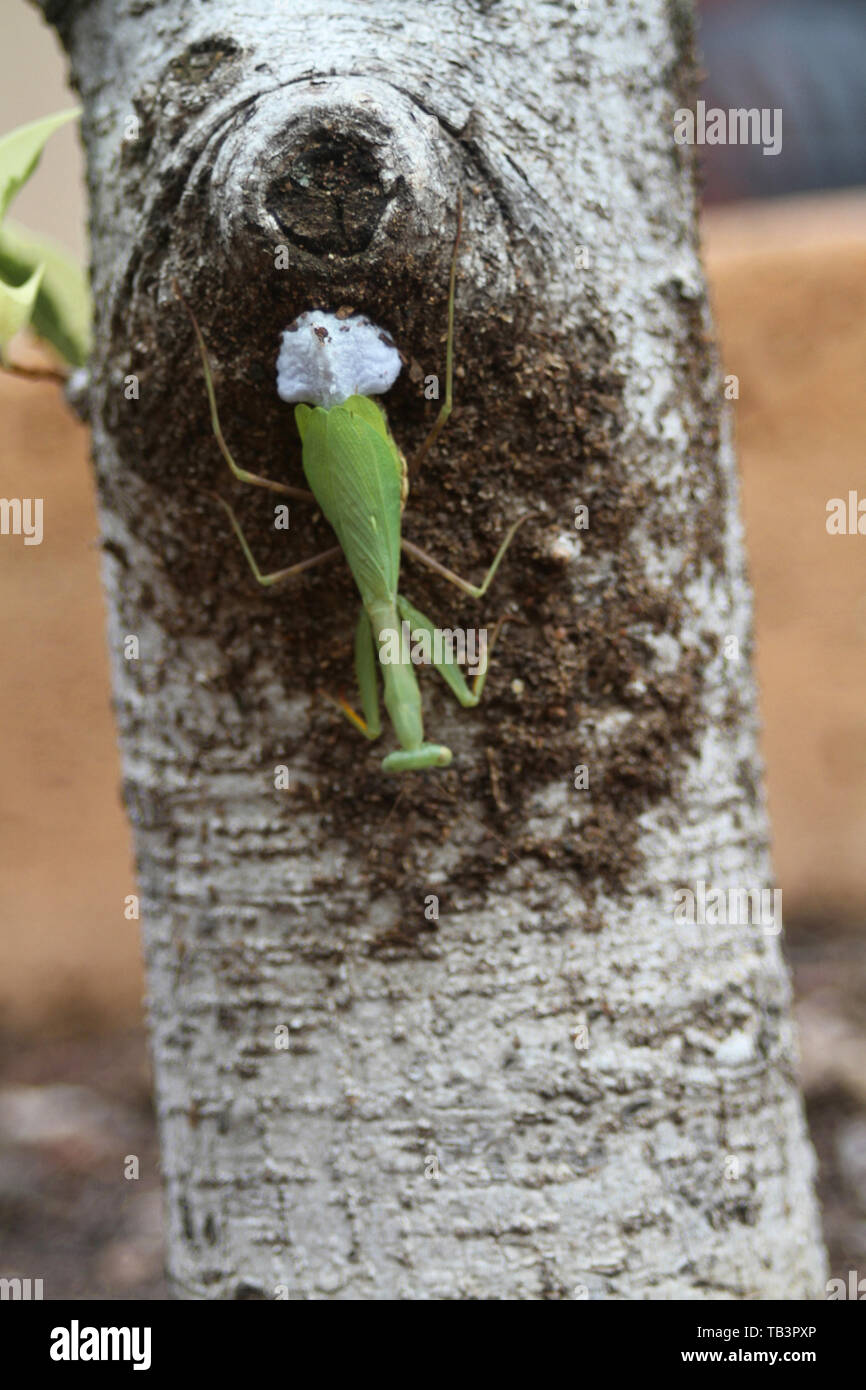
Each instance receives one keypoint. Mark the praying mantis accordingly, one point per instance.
(360, 481)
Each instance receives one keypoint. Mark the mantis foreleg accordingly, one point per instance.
(469, 696)
(365, 670)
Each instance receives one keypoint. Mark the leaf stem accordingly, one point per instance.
(36, 373)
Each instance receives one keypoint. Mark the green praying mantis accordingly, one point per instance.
(360, 480)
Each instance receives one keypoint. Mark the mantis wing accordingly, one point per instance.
(367, 409)
(354, 470)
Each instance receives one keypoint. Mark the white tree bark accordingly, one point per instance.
(553, 1090)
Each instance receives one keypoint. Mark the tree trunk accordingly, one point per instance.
(510, 1071)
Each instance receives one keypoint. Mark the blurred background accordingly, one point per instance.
(785, 248)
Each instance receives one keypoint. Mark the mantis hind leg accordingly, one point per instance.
(445, 410)
(242, 475)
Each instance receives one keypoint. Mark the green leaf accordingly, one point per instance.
(16, 307)
(63, 309)
(20, 151)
